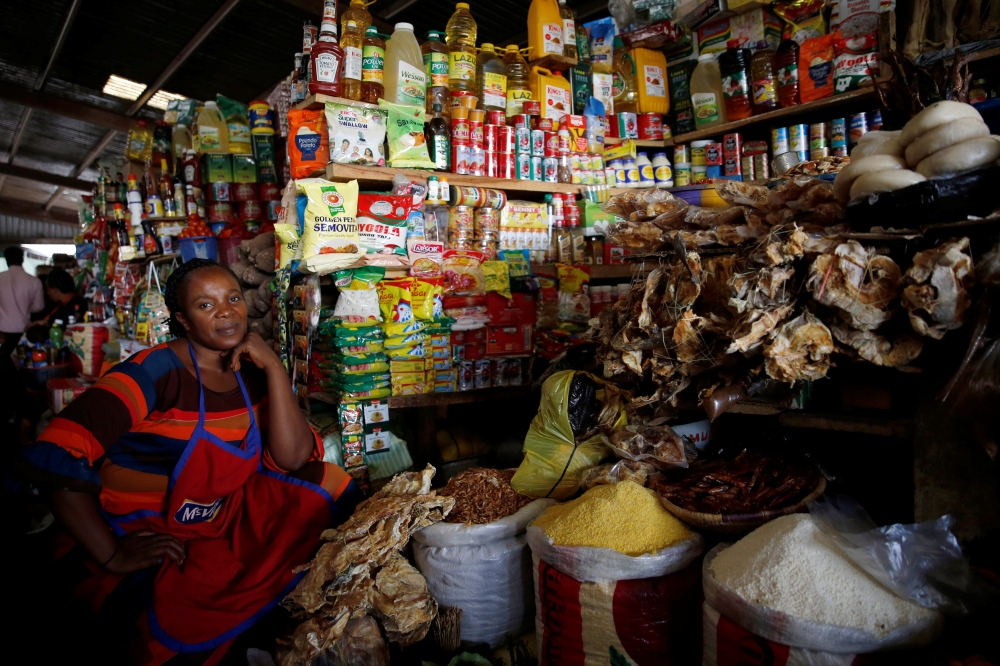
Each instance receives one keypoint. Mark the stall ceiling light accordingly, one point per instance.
(126, 89)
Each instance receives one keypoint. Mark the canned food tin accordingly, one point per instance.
(219, 192)
(492, 164)
(761, 167)
(551, 144)
(495, 199)
(840, 151)
(523, 166)
(251, 210)
(698, 149)
(460, 158)
(803, 155)
(536, 168)
(746, 163)
(490, 133)
(505, 139)
(461, 131)
(476, 133)
(477, 162)
(550, 169)
(507, 166)
(599, 177)
(544, 124)
(610, 176)
(519, 120)
(732, 166)
(875, 120)
(522, 140)
(537, 142)
(565, 140)
(220, 211)
(699, 172)
(466, 195)
(486, 220)
(461, 221)
(466, 373)
(269, 191)
(779, 140)
(500, 372)
(273, 209)
(682, 174)
(496, 118)
(244, 192)
(819, 135)
(487, 247)
(483, 376)
(838, 132)
(798, 138)
(650, 126)
(681, 153)
(713, 154)
(732, 144)
(532, 107)
(817, 153)
(857, 127)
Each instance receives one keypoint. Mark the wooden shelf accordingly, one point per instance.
(866, 425)
(552, 61)
(368, 176)
(318, 101)
(639, 143)
(597, 271)
(772, 116)
(458, 397)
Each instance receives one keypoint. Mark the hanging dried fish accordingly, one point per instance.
(937, 288)
(800, 350)
(859, 284)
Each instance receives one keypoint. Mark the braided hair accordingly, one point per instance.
(177, 282)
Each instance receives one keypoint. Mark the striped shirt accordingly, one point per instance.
(123, 437)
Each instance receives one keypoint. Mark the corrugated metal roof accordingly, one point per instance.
(17, 228)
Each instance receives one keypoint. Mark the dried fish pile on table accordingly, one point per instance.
(780, 291)
(359, 575)
(483, 495)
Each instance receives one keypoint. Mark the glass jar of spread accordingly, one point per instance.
(733, 65)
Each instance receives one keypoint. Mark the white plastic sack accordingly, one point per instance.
(788, 630)
(590, 564)
(483, 569)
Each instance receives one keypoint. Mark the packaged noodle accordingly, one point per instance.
(289, 248)
(394, 300)
(369, 395)
(328, 369)
(816, 68)
(803, 19)
(330, 235)
(496, 277)
(367, 347)
(425, 258)
(427, 296)
(356, 134)
(308, 144)
(392, 329)
(382, 226)
(354, 358)
(404, 341)
(574, 304)
(407, 353)
(358, 299)
(407, 144)
(463, 273)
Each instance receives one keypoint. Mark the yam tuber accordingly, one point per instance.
(254, 277)
(264, 260)
(240, 267)
(258, 244)
(250, 299)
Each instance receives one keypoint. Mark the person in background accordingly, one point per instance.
(188, 482)
(20, 295)
(61, 291)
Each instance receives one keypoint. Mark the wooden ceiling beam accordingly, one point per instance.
(65, 107)
(36, 212)
(45, 177)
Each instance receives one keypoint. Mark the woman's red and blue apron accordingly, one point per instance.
(243, 527)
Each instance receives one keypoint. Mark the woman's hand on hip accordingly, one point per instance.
(144, 549)
(258, 352)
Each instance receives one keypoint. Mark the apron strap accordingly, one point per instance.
(246, 398)
(201, 393)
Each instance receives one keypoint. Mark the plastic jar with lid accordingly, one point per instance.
(662, 173)
(787, 63)
(631, 173)
(763, 84)
(698, 152)
(682, 174)
(734, 66)
(646, 177)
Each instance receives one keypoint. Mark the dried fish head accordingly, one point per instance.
(937, 288)
(859, 284)
(877, 349)
(800, 350)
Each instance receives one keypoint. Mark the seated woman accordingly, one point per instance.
(189, 479)
(60, 291)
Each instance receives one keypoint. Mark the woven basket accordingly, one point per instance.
(739, 523)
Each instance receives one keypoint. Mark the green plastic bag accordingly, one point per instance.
(554, 464)
(407, 143)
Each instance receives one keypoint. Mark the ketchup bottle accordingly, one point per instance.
(327, 61)
(787, 63)
(734, 66)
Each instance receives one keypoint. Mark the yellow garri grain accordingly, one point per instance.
(623, 516)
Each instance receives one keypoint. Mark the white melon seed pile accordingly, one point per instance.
(790, 566)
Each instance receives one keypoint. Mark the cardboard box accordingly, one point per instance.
(407, 366)
(579, 81)
(403, 378)
(444, 387)
(64, 391)
(508, 340)
(757, 29)
(218, 168)
(244, 169)
(577, 127)
(515, 311)
(475, 351)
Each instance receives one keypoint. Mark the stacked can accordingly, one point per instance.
(732, 145)
(838, 137)
(461, 228)
(486, 231)
(798, 141)
(819, 141)
(522, 149)
(477, 156)
(714, 161)
(754, 160)
(461, 140)
(779, 141)
(857, 127)
(550, 157)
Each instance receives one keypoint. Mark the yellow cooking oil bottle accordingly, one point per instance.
(518, 85)
(545, 30)
(405, 79)
(362, 17)
(553, 91)
(460, 36)
(651, 80)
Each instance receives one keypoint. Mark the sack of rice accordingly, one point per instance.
(789, 584)
(612, 581)
(478, 558)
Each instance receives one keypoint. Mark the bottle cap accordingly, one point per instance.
(705, 57)
(352, 24)
(371, 30)
(511, 48)
(462, 5)
(404, 26)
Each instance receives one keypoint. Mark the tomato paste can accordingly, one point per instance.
(219, 192)
(490, 133)
(713, 154)
(496, 117)
(492, 169)
(507, 165)
(220, 211)
(251, 210)
(519, 120)
(522, 138)
(483, 376)
(494, 198)
(532, 107)
(461, 131)
(269, 191)
(477, 161)
(650, 126)
(467, 195)
(460, 158)
(273, 209)
(537, 142)
(536, 168)
(522, 165)
(732, 144)
(500, 372)
(550, 169)
(544, 124)
(551, 144)
(466, 375)
(244, 192)
(505, 139)
(476, 133)
(779, 141)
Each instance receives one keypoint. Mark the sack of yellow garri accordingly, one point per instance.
(330, 238)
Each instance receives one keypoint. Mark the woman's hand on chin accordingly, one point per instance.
(254, 349)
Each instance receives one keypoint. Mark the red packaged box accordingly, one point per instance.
(516, 311)
(507, 340)
(713, 154)
(732, 166)
(475, 335)
(64, 391)
(732, 144)
(475, 350)
(251, 210)
(244, 192)
(612, 129)
(577, 127)
(614, 254)
(652, 36)
(458, 337)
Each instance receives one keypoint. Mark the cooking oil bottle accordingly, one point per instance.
(405, 80)
(350, 79)
(491, 74)
(545, 29)
(569, 30)
(518, 87)
(357, 13)
(651, 78)
(213, 133)
(623, 79)
(706, 92)
(460, 36)
(435, 54)
(372, 66)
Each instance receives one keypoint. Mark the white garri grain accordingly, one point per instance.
(791, 566)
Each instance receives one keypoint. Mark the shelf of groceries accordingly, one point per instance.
(458, 397)
(376, 176)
